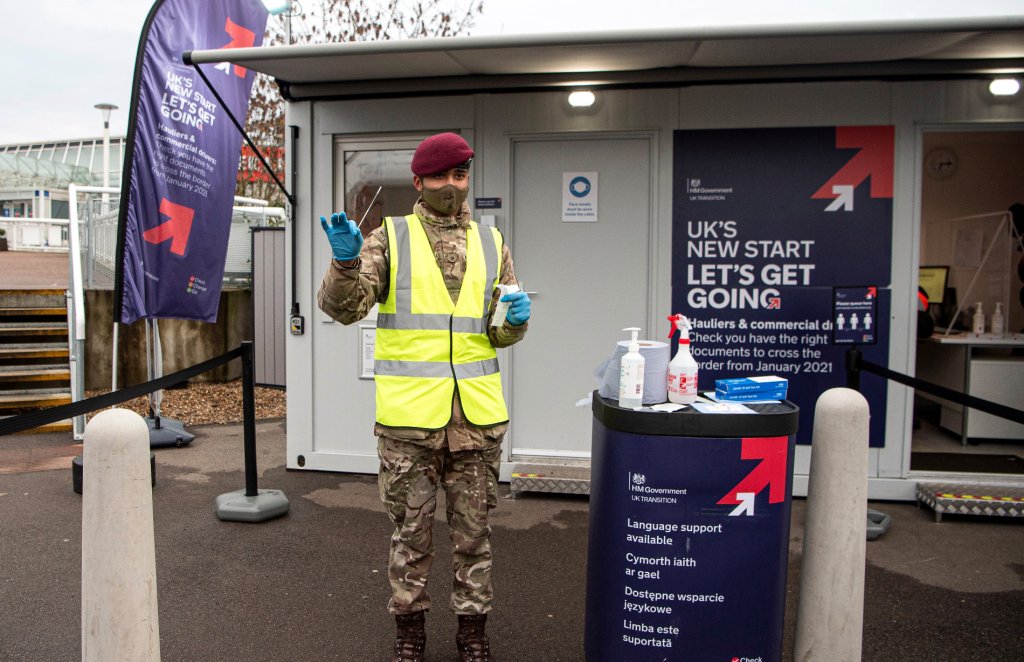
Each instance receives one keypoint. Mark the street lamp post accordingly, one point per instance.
(105, 109)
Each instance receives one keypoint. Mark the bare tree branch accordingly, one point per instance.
(333, 21)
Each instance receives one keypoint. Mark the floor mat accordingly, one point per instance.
(967, 463)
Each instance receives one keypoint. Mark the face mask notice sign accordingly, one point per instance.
(579, 197)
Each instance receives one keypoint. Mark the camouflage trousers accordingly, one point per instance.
(409, 478)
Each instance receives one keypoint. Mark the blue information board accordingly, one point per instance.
(767, 223)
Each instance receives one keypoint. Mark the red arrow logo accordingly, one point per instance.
(240, 38)
(176, 228)
(874, 160)
(774, 303)
(770, 472)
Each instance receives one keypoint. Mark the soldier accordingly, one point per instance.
(441, 414)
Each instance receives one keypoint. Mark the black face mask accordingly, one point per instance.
(446, 201)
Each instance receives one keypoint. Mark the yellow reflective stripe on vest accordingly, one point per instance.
(426, 343)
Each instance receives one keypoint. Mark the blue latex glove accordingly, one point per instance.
(519, 311)
(346, 240)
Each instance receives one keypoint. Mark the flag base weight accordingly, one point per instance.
(237, 507)
(167, 432)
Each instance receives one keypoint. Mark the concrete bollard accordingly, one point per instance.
(119, 607)
(830, 615)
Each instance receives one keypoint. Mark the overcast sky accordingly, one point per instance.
(63, 57)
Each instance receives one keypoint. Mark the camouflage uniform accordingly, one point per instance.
(461, 458)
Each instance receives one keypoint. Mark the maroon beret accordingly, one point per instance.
(439, 153)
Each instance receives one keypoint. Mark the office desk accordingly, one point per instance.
(983, 366)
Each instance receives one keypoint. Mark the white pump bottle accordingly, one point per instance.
(998, 321)
(682, 371)
(631, 374)
(978, 320)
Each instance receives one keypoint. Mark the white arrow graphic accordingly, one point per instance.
(844, 199)
(746, 504)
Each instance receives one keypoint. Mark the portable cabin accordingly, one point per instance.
(708, 151)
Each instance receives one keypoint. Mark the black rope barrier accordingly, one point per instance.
(35, 419)
(855, 364)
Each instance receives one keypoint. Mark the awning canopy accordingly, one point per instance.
(890, 50)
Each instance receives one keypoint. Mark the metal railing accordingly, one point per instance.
(76, 302)
(48, 235)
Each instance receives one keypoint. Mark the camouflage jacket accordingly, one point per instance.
(350, 289)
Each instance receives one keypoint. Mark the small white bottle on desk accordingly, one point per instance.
(978, 326)
(998, 322)
(501, 308)
(631, 374)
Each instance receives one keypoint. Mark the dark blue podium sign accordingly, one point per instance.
(689, 539)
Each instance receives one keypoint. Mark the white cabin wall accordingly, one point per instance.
(491, 121)
(503, 117)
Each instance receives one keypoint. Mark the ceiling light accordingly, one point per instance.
(1004, 87)
(581, 99)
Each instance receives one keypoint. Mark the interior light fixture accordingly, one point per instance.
(1004, 87)
(581, 98)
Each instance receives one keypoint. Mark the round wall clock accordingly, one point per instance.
(940, 163)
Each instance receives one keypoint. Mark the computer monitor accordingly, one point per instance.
(933, 280)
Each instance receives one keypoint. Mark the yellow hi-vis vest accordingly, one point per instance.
(427, 346)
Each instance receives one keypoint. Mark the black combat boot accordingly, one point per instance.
(472, 640)
(411, 638)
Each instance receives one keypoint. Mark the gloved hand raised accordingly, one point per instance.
(519, 310)
(346, 240)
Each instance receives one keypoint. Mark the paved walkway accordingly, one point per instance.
(31, 270)
(47, 457)
(312, 585)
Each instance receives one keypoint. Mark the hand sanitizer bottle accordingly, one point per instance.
(998, 321)
(979, 320)
(631, 374)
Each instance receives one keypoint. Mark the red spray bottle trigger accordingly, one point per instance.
(676, 320)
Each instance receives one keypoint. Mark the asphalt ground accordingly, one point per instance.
(312, 585)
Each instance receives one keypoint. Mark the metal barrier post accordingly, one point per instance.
(250, 504)
(249, 419)
(853, 357)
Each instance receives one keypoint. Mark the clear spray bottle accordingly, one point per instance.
(631, 374)
(682, 371)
